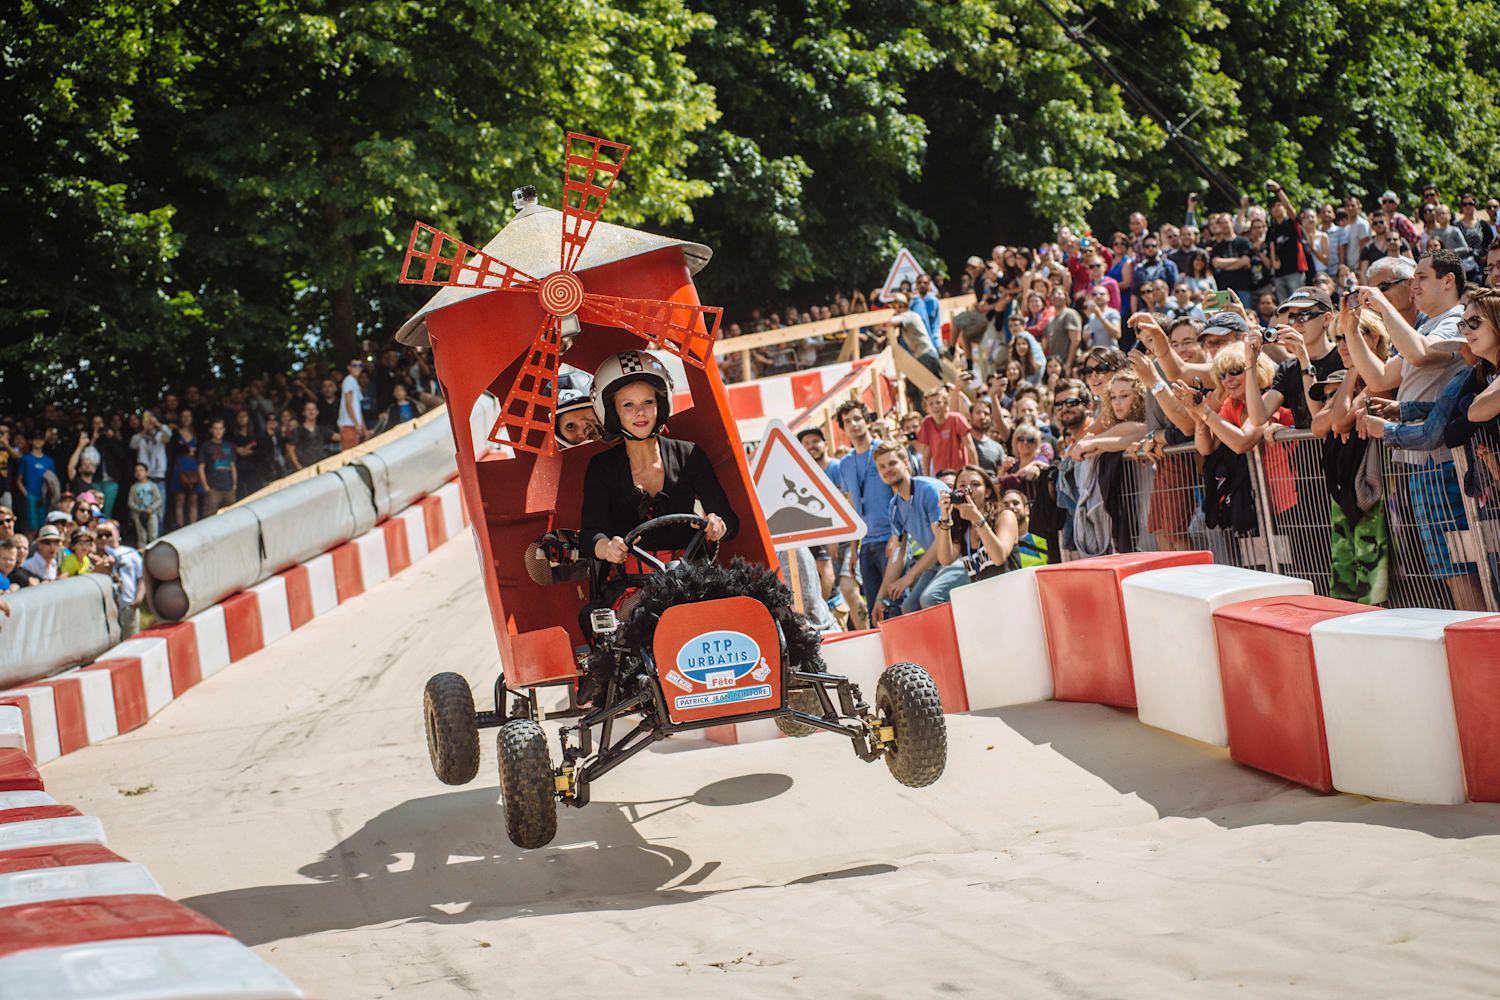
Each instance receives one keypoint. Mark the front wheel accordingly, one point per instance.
(527, 787)
(452, 730)
(906, 699)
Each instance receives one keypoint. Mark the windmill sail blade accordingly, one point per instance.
(433, 257)
(527, 412)
(588, 174)
(687, 331)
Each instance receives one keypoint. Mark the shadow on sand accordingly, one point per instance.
(1182, 777)
(445, 859)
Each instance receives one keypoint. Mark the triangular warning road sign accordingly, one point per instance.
(802, 507)
(905, 268)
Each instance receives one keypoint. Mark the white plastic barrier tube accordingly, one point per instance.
(410, 465)
(55, 626)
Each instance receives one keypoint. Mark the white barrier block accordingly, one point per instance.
(213, 640)
(1169, 615)
(416, 532)
(374, 564)
(452, 506)
(12, 728)
(48, 832)
(43, 704)
(1001, 641)
(1388, 704)
(275, 612)
(321, 584)
(156, 670)
(754, 732)
(861, 658)
(111, 878)
(98, 690)
(175, 966)
(25, 800)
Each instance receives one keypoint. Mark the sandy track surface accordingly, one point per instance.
(1068, 852)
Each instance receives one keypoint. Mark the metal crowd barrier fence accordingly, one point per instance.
(1441, 515)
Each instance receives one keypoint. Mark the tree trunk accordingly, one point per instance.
(345, 345)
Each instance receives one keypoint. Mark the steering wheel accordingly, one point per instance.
(694, 545)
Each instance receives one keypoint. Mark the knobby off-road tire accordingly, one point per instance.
(452, 733)
(803, 700)
(907, 699)
(527, 788)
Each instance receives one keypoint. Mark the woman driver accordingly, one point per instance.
(645, 476)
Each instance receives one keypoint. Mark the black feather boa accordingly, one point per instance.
(691, 582)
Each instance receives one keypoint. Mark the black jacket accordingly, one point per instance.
(614, 505)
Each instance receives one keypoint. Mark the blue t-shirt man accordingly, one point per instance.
(857, 475)
(913, 517)
(33, 470)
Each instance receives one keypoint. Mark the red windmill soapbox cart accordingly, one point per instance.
(706, 643)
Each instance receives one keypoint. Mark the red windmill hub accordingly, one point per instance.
(588, 175)
(561, 293)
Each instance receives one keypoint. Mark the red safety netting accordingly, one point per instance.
(527, 413)
(587, 179)
(441, 259)
(688, 331)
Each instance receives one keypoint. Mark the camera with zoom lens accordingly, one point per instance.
(959, 527)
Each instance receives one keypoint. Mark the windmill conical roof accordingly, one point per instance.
(531, 242)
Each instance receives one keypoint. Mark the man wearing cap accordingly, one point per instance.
(45, 553)
(1304, 320)
(1396, 221)
(351, 419)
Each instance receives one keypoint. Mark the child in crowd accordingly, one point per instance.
(146, 503)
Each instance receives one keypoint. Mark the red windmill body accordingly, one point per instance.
(498, 327)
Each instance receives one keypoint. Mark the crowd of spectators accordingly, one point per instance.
(84, 492)
(1082, 355)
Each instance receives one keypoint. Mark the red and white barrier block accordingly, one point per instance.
(135, 679)
(1172, 644)
(1388, 704)
(79, 922)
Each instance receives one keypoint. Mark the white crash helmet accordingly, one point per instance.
(572, 394)
(622, 369)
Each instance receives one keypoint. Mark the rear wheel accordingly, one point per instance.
(452, 731)
(527, 787)
(803, 700)
(906, 699)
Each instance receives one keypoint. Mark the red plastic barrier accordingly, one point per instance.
(397, 551)
(927, 638)
(26, 859)
(129, 685)
(299, 605)
(347, 575)
(1474, 669)
(67, 700)
(18, 772)
(182, 655)
(60, 922)
(1084, 617)
(1272, 703)
(26, 814)
(242, 625)
(432, 520)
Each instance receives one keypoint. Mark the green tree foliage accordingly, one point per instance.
(212, 189)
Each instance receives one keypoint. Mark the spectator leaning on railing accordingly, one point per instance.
(1419, 374)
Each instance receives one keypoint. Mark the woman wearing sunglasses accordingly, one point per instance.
(1247, 416)
(1481, 329)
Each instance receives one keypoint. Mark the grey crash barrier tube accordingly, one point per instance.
(53, 626)
(213, 557)
(410, 466)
